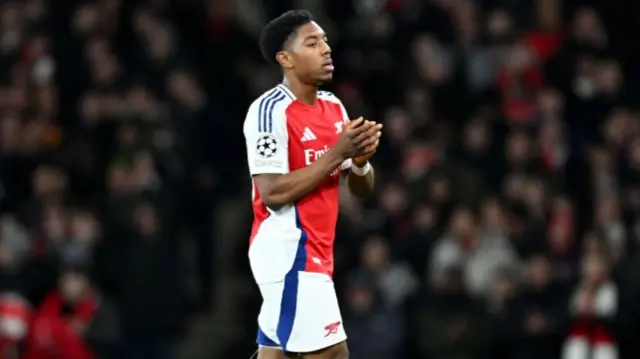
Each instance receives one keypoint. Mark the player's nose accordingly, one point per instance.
(326, 49)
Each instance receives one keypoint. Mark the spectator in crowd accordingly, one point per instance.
(150, 290)
(593, 305)
(479, 253)
(539, 312)
(74, 321)
(15, 314)
(449, 323)
(97, 165)
(375, 330)
(394, 280)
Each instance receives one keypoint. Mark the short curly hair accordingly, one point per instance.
(276, 33)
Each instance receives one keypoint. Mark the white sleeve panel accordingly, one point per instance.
(265, 132)
(346, 164)
(345, 117)
(328, 96)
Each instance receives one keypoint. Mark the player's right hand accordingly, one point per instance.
(357, 138)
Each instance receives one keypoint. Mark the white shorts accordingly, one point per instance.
(300, 314)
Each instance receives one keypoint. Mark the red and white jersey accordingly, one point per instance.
(284, 135)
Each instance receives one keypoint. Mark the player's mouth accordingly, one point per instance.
(328, 66)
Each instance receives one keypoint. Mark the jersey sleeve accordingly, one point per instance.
(346, 164)
(266, 137)
(345, 118)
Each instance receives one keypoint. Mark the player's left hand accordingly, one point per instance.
(376, 132)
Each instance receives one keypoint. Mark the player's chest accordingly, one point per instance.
(312, 136)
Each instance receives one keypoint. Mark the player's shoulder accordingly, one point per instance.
(269, 107)
(275, 98)
(329, 96)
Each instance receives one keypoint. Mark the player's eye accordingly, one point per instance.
(312, 44)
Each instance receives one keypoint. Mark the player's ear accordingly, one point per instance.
(284, 59)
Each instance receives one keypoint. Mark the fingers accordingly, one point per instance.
(377, 126)
(369, 129)
(356, 134)
(358, 123)
(364, 135)
(370, 136)
(351, 124)
(372, 148)
(369, 150)
(370, 144)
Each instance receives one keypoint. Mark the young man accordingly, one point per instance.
(299, 140)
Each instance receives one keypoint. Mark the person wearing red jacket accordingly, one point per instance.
(73, 322)
(15, 312)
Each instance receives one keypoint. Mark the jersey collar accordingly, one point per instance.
(287, 92)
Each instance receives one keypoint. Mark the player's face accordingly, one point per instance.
(311, 54)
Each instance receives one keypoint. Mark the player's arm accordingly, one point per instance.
(361, 179)
(278, 190)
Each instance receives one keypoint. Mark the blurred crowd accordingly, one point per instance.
(106, 171)
(506, 220)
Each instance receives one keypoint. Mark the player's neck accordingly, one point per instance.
(307, 94)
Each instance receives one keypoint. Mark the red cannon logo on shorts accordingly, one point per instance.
(332, 328)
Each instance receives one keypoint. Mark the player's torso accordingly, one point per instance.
(299, 236)
(313, 130)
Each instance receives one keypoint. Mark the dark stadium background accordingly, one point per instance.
(505, 222)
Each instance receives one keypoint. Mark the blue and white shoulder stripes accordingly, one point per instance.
(328, 96)
(278, 96)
